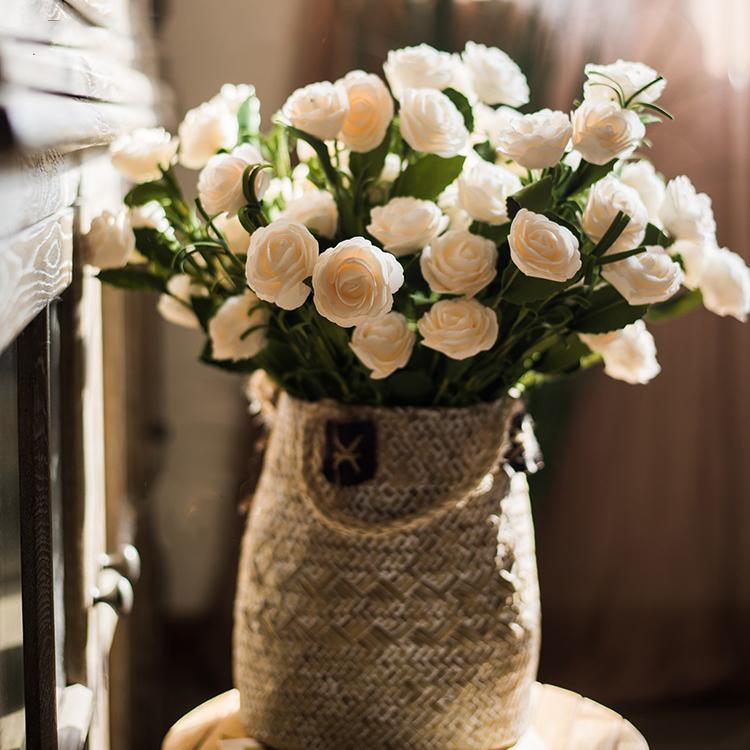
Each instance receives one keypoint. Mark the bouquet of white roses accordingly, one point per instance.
(424, 242)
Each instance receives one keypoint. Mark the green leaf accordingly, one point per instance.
(204, 308)
(370, 164)
(564, 357)
(520, 289)
(147, 192)
(675, 307)
(617, 257)
(155, 246)
(608, 312)
(498, 233)
(463, 106)
(534, 197)
(655, 236)
(584, 177)
(487, 151)
(248, 121)
(321, 151)
(428, 176)
(410, 387)
(132, 277)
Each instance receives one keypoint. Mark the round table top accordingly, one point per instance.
(561, 720)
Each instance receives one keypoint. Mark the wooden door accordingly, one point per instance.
(73, 75)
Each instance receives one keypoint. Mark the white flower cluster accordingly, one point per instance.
(388, 256)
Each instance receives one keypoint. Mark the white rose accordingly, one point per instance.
(459, 328)
(642, 177)
(725, 284)
(693, 254)
(228, 329)
(450, 206)
(150, 215)
(316, 209)
(430, 122)
(204, 131)
(280, 257)
(419, 67)
(483, 189)
(391, 168)
(496, 79)
(220, 181)
(646, 278)
(629, 354)
(370, 111)
(110, 240)
(685, 213)
(537, 140)
(542, 248)
(139, 154)
(404, 225)
(606, 198)
(232, 96)
(603, 131)
(630, 76)
(355, 282)
(319, 109)
(234, 233)
(491, 122)
(384, 345)
(459, 262)
(175, 306)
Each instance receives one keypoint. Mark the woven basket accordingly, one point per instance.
(387, 591)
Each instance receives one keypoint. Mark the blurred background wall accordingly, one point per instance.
(643, 514)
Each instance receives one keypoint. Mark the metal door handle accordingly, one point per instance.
(116, 591)
(126, 561)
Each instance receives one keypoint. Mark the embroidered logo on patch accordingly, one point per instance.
(350, 450)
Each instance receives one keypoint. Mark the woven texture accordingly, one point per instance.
(401, 611)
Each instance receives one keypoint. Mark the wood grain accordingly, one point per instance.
(73, 72)
(36, 535)
(35, 121)
(35, 267)
(34, 187)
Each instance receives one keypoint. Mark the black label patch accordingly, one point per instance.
(350, 453)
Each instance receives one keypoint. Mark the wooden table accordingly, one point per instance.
(561, 721)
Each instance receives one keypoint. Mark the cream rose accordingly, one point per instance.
(234, 233)
(175, 306)
(110, 240)
(319, 109)
(686, 213)
(370, 111)
(459, 328)
(355, 281)
(230, 328)
(139, 154)
(150, 215)
(232, 96)
(542, 248)
(642, 177)
(629, 76)
(629, 354)
(316, 209)
(535, 141)
(646, 278)
(693, 254)
(220, 181)
(430, 122)
(419, 67)
(280, 257)
(405, 225)
(725, 284)
(204, 131)
(490, 123)
(606, 198)
(603, 131)
(483, 189)
(384, 345)
(459, 262)
(450, 206)
(496, 79)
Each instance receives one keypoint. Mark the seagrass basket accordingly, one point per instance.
(387, 592)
